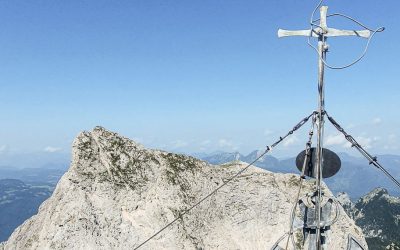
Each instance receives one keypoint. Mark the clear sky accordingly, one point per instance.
(190, 76)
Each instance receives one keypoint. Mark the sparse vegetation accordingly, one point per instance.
(176, 166)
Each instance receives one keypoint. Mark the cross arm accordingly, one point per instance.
(359, 33)
(330, 32)
(285, 33)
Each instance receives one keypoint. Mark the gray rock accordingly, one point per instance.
(116, 194)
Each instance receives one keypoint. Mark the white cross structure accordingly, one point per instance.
(322, 32)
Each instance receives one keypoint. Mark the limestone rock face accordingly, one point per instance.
(116, 194)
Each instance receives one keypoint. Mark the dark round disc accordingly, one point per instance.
(331, 163)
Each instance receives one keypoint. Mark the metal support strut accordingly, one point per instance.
(322, 48)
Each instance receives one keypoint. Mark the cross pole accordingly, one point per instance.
(322, 32)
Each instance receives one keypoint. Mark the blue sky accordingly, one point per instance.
(190, 76)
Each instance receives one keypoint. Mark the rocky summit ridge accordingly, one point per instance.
(116, 194)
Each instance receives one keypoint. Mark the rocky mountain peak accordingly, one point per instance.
(377, 193)
(101, 155)
(117, 193)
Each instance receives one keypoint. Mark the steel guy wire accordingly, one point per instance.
(268, 149)
(372, 159)
(302, 177)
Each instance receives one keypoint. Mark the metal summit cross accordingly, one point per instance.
(322, 32)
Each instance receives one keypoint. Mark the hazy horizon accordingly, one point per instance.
(191, 76)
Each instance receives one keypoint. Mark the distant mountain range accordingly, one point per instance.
(48, 176)
(356, 177)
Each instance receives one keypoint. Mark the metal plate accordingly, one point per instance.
(331, 163)
(353, 244)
